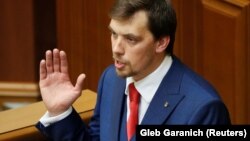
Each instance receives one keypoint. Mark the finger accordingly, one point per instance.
(43, 72)
(56, 60)
(49, 65)
(79, 82)
(64, 62)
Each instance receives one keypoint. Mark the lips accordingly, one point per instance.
(119, 65)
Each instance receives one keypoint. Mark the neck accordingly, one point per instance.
(154, 65)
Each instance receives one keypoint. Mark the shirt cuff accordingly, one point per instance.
(46, 120)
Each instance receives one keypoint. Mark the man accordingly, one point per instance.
(142, 36)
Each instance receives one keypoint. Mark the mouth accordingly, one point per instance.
(119, 64)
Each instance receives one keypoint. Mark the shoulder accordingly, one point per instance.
(195, 85)
(109, 73)
(110, 78)
(201, 102)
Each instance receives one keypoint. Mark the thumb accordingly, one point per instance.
(79, 82)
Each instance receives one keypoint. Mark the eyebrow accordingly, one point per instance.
(126, 35)
(110, 28)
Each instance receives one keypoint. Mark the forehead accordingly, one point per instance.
(136, 24)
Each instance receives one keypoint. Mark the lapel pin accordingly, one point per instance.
(166, 104)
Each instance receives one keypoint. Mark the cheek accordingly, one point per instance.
(140, 55)
(112, 43)
(140, 59)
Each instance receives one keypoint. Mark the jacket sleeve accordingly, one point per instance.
(71, 128)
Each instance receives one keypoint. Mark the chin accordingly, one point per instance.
(125, 74)
(122, 73)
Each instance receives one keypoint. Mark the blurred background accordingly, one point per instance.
(213, 38)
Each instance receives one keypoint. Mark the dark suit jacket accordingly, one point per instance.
(191, 101)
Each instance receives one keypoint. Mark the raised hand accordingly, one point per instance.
(56, 88)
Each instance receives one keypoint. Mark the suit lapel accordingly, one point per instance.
(167, 96)
(157, 112)
(117, 106)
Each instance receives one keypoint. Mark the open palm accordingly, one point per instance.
(56, 88)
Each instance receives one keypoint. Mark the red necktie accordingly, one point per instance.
(134, 98)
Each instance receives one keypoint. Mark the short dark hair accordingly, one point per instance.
(161, 16)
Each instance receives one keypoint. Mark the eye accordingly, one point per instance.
(131, 40)
(113, 35)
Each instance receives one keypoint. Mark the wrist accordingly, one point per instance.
(53, 113)
(47, 119)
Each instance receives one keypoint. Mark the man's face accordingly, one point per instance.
(133, 46)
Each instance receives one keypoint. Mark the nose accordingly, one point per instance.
(117, 46)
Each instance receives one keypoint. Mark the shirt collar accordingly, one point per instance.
(148, 86)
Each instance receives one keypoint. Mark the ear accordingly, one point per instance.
(162, 44)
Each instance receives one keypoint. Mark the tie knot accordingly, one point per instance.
(133, 93)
